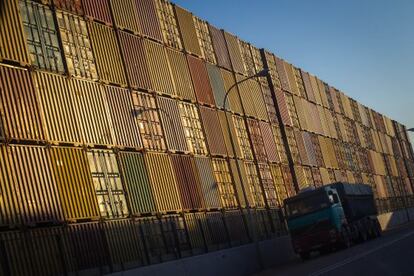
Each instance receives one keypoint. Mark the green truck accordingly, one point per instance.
(332, 216)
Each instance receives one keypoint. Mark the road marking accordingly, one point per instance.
(356, 257)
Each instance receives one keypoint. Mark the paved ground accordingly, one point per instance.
(392, 254)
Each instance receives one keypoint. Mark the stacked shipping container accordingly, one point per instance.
(121, 118)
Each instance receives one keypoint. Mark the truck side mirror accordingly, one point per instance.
(335, 198)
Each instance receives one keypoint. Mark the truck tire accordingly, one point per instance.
(377, 227)
(304, 256)
(363, 232)
(346, 237)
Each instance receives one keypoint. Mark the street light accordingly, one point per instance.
(262, 73)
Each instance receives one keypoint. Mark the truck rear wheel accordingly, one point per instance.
(304, 256)
(346, 237)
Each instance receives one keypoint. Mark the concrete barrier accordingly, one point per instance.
(396, 218)
(241, 260)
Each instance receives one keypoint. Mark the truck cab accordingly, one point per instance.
(319, 218)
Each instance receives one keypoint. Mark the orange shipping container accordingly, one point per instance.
(220, 48)
(201, 82)
(98, 10)
(148, 18)
(125, 15)
(269, 142)
(181, 75)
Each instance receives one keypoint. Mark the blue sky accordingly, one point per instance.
(362, 47)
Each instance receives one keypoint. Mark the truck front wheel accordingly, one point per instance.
(346, 237)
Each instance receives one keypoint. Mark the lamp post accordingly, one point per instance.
(262, 73)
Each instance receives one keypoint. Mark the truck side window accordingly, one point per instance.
(335, 198)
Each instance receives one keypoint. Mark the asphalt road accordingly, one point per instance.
(392, 254)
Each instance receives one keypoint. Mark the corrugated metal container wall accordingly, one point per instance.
(281, 150)
(188, 182)
(192, 128)
(91, 111)
(258, 60)
(159, 68)
(77, 48)
(126, 15)
(225, 118)
(107, 54)
(74, 183)
(73, 6)
(308, 86)
(224, 181)
(56, 106)
(219, 45)
(19, 107)
(188, 31)
(12, 41)
(171, 121)
(42, 36)
(181, 75)
(163, 182)
(288, 179)
(247, 58)
(238, 181)
(281, 70)
(258, 100)
(301, 147)
(209, 187)
(148, 119)
(233, 103)
(108, 186)
(136, 182)
(279, 183)
(217, 84)
(121, 112)
(204, 40)
(242, 137)
(136, 65)
(168, 24)
(246, 96)
(29, 189)
(148, 19)
(98, 10)
(254, 185)
(234, 52)
(214, 136)
(268, 185)
(201, 82)
(270, 105)
(315, 88)
(269, 142)
(293, 147)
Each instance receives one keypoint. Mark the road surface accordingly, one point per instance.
(392, 254)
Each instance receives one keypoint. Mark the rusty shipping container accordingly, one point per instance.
(163, 182)
(13, 45)
(74, 183)
(181, 75)
(125, 15)
(107, 54)
(257, 140)
(214, 136)
(121, 113)
(201, 82)
(98, 10)
(188, 182)
(148, 18)
(19, 107)
(209, 187)
(147, 116)
(269, 142)
(220, 48)
(30, 194)
(136, 183)
(73, 6)
(188, 31)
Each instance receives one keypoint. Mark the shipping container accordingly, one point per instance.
(247, 58)
(181, 75)
(220, 48)
(41, 36)
(73, 6)
(175, 236)
(30, 193)
(214, 136)
(204, 40)
(107, 54)
(168, 23)
(77, 48)
(121, 113)
(222, 175)
(136, 183)
(283, 76)
(91, 112)
(268, 186)
(236, 167)
(188, 31)
(159, 69)
(247, 94)
(229, 135)
(233, 102)
(192, 128)
(253, 181)
(201, 82)
(288, 180)
(281, 150)
(257, 140)
(125, 13)
(242, 137)
(209, 186)
(217, 84)
(136, 64)
(74, 183)
(234, 53)
(147, 116)
(19, 107)
(269, 142)
(98, 10)
(163, 182)
(188, 182)
(13, 45)
(293, 147)
(270, 105)
(236, 227)
(56, 105)
(125, 245)
(148, 19)
(301, 148)
(172, 124)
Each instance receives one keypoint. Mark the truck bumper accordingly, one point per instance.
(315, 240)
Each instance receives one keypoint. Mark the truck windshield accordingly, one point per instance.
(307, 204)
